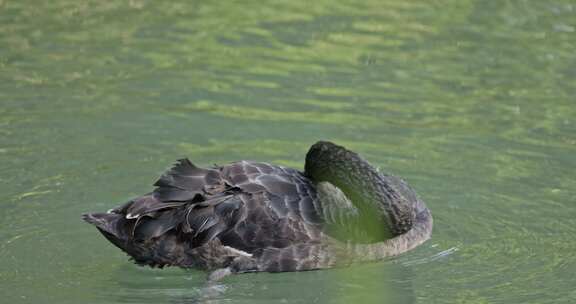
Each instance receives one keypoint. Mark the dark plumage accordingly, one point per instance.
(250, 216)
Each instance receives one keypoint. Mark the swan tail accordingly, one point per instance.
(113, 226)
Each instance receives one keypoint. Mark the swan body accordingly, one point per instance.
(252, 216)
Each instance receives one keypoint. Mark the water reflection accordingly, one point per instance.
(389, 282)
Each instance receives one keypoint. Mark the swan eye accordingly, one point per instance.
(130, 216)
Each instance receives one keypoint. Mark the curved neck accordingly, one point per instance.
(385, 212)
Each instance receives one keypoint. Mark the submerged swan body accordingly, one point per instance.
(251, 216)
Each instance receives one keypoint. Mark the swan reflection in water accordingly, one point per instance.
(380, 282)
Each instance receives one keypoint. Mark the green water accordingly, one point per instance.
(472, 102)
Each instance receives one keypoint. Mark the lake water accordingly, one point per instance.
(472, 102)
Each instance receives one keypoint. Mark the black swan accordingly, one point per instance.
(251, 216)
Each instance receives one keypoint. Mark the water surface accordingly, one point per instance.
(472, 102)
